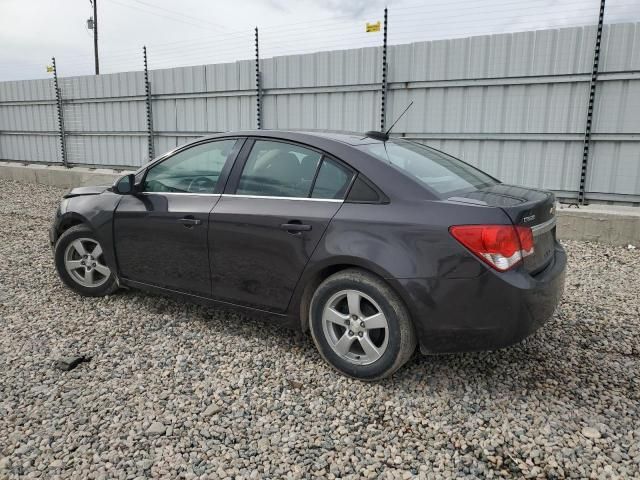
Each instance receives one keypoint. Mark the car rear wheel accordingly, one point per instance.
(360, 325)
(81, 265)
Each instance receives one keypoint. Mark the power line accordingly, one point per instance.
(151, 12)
(409, 23)
(180, 14)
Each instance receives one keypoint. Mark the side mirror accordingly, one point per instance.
(125, 185)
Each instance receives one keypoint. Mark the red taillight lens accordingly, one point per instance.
(500, 246)
(526, 240)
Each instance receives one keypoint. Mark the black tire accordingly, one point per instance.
(106, 285)
(401, 339)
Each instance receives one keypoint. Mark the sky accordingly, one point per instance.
(194, 32)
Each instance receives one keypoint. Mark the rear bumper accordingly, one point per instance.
(488, 312)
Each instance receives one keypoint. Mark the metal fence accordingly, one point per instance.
(514, 104)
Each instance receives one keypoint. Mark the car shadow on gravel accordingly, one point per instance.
(530, 364)
(553, 365)
(225, 320)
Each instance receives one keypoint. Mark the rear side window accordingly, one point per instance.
(277, 169)
(332, 181)
(441, 173)
(363, 192)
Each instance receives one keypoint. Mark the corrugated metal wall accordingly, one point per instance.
(28, 121)
(513, 104)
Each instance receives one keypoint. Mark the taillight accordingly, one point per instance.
(500, 246)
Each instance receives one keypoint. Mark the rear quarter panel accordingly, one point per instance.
(406, 239)
(400, 240)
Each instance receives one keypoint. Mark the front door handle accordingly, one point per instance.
(294, 227)
(189, 221)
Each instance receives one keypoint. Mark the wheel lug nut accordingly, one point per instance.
(362, 324)
(82, 262)
(354, 317)
(360, 334)
(347, 322)
(351, 333)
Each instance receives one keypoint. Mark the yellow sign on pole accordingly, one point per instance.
(373, 27)
(49, 68)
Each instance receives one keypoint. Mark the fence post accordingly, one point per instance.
(258, 89)
(147, 92)
(63, 149)
(383, 91)
(592, 94)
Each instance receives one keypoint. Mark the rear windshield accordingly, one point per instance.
(443, 174)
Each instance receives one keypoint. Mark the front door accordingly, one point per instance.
(262, 235)
(161, 232)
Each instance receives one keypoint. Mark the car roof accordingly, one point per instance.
(347, 138)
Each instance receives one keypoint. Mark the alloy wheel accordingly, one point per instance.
(355, 327)
(84, 262)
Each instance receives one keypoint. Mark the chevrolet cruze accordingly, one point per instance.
(374, 245)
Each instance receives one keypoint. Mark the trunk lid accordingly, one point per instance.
(527, 207)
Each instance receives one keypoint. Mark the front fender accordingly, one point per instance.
(93, 211)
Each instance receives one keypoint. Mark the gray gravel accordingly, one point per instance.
(180, 391)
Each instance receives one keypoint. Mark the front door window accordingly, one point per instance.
(195, 170)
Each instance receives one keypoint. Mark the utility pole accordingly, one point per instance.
(94, 3)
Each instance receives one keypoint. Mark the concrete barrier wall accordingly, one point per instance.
(615, 225)
(58, 176)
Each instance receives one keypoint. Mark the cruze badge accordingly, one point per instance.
(530, 218)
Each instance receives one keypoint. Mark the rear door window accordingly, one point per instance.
(278, 169)
(441, 173)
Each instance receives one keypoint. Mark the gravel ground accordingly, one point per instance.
(181, 391)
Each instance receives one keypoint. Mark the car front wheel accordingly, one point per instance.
(361, 326)
(81, 265)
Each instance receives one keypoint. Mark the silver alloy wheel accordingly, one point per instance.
(84, 262)
(355, 327)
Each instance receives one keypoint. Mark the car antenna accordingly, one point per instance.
(384, 136)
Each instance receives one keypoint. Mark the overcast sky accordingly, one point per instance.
(192, 32)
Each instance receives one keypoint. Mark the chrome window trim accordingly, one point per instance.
(543, 227)
(260, 197)
(267, 197)
(181, 193)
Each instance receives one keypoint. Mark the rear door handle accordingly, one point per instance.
(189, 221)
(295, 227)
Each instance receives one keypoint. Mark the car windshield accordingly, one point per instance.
(443, 174)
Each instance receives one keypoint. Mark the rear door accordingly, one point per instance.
(161, 233)
(279, 200)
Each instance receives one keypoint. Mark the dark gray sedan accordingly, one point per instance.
(373, 245)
